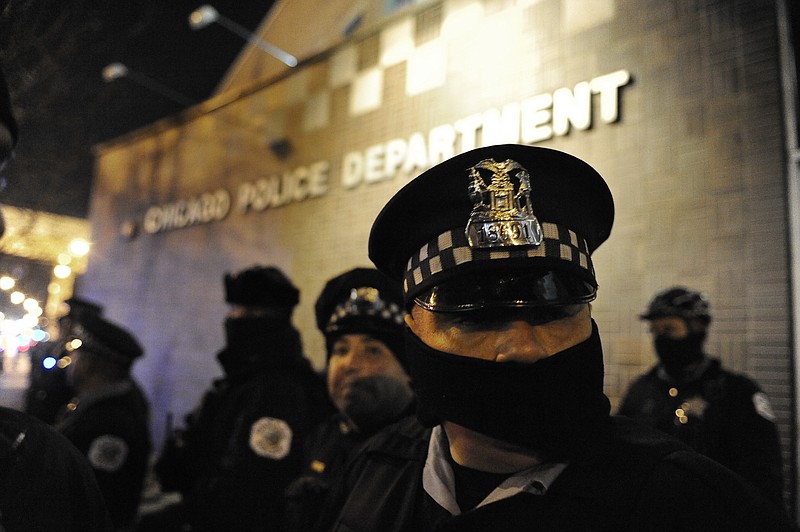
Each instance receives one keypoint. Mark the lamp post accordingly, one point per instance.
(206, 15)
(114, 71)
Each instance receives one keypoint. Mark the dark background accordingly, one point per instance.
(53, 53)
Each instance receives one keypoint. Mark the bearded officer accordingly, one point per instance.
(108, 420)
(494, 249)
(689, 395)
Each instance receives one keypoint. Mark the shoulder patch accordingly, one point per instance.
(108, 453)
(762, 406)
(271, 438)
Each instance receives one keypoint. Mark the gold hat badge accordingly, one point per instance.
(501, 216)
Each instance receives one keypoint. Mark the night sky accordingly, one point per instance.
(53, 53)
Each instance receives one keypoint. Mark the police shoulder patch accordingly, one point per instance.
(108, 453)
(762, 406)
(271, 438)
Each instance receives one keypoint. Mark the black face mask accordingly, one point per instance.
(377, 401)
(249, 340)
(552, 406)
(676, 355)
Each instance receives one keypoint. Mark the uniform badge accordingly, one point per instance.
(108, 453)
(271, 438)
(501, 216)
(763, 407)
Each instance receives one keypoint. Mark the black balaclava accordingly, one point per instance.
(251, 341)
(679, 355)
(552, 406)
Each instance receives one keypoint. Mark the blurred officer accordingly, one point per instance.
(108, 420)
(48, 390)
(360, 313)
(493, 247)
(244, 443)
(687, 394)
(45, 483)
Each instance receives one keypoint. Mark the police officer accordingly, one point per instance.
(360, 313)
(48, 390)
(494, 249)
(108, 420)
(243, 444)
(689, 395)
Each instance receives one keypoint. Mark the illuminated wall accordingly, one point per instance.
(676, 103)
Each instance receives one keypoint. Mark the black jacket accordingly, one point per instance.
(244, 444)
(111, 428)
(631, 479)
(45, 483)
(726, 417)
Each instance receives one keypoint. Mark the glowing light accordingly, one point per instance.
(17, 297)
(64, 258)
(79, 247)
(6, 283)
(63, 362)
(62, 271)
(39, 335)
(202, 17)
(53, 288)
(30, 304)
(49, 362)
(114, 71)
(74, 344)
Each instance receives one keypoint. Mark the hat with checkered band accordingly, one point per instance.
(499, 226)
(362, 301)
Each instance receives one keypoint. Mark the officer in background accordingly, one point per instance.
(360, 313)
(689, 395)
(48, 390)
(243, 444)
(494, 249)
(45, 483)
(108, 420)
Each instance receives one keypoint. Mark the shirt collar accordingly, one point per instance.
(439, 482)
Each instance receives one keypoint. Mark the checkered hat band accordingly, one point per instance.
(451, 249)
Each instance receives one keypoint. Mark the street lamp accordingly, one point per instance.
(115, 71)
(206, 15)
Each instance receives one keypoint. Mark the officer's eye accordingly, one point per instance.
(340, 349)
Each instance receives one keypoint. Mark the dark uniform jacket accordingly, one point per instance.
(631, 479)
(45, 483)
(720, 414)
(111, 428)
(328, 450)
(245, 443)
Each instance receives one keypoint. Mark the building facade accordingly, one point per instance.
(678, 104)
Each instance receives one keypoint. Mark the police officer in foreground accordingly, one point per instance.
(360, 313)
(494, 249)
(108, 420)
(243, 445)
(45, 482)
(689, 395)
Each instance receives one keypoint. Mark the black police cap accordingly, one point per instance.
(106, 339)
(421, 237)
(261, 287)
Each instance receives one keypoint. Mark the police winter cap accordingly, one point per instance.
(476, 225)
(107, 339)
(261, 286)
(362, 301)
